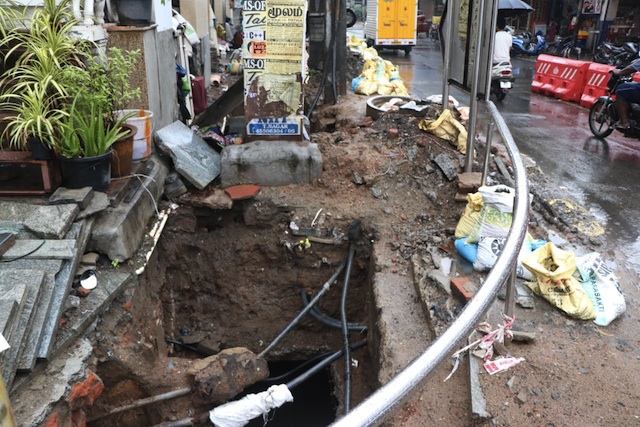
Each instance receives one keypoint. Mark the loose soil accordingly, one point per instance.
(222, 279)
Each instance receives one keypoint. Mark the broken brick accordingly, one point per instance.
(52, 421)
(393, 133)
(78, 418)
(243, 191)
(84, 393)
(463, 288)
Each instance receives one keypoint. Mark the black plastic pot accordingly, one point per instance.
(94, 172)
(138, 13)
(39, 150)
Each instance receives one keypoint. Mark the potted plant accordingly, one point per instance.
(103, 85)
(84, 144)
(32, 89)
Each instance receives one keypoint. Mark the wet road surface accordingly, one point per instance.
(602, 175)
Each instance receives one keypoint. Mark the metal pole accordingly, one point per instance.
(487, 155)
(492, 35)
(473, 102)
(447, 58)
(510, 298)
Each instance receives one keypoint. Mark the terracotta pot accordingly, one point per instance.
(122, 159)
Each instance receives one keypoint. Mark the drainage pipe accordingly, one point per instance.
(345, 330)
(144, 402)
(330, 359)
(328, 320)
(324, 290)
(381, 403)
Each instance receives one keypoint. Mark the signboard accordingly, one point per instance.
(273, 55)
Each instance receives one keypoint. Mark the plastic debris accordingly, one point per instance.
(484, 348)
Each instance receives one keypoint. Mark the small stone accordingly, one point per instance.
(584, 371)
(521, 397)
(511, 381)
(393, 133)
(376, 192)
(555, 396)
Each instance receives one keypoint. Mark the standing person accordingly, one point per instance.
(626, 94)
(502, 44)
(552, 30)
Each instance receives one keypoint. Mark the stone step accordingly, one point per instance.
(41, 249)
(34, 280)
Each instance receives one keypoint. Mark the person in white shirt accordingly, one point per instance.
(502, 44)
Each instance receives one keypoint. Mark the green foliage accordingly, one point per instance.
(86, 133)
(105, 81)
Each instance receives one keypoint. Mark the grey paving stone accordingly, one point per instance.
(81, 231)
(447, 165)
(191, 155)
(99, 203)
(7, 313)
(81, 196)
(41, 249)
(110, 284)
(51, 222)
(24, 324)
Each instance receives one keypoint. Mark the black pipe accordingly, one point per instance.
(335, 356)
(325, 289)
(328, 320)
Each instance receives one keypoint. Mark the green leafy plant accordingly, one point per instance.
(86, 133)
(105, 81)
(38, 47)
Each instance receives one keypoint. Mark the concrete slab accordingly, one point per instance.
(51, 222)
(49, 268)
(270, 163)
(118, 231)
(191, 155)
(41, 249)
(14, 214)
(81, 231)
(99, 203)
(110, 285)
(81, 196)
(35, 279)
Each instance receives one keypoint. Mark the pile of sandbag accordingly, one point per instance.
(378, 76)
(583, 287)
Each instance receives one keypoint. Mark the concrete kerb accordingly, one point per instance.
(118, 231)
(270, 163)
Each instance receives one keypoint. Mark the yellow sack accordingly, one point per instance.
(554, 270)
(471, 214)
(448, 128)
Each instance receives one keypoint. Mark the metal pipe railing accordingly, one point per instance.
(382, 402)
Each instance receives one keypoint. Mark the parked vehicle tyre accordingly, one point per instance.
(600, 121)
(351, 18)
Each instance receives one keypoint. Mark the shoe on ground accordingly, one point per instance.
(620, 126)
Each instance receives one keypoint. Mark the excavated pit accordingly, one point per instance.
(222, 279)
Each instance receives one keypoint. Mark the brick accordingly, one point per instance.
(463, 288)
(86, 392)
(393, 133)
(242, 191)
(52, 421)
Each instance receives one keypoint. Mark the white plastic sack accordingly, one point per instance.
(238, 413)
(490, 248)
(602, 286)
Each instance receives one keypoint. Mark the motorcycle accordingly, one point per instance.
(620, 56)
(525, 43)
(564, 47)
(501, 79)
(603, 114)
(352, 18)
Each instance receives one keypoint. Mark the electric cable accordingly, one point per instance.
(328, 320)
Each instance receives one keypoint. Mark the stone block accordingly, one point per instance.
(463, 288)
(51, 222)
(81, 196)
(270, 163)
(447, 166)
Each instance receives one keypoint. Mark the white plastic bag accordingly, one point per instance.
(490, 248)
(602, 286)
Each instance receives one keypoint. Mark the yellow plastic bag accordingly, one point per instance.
(470, 216)
(554, 270)
(448, 128)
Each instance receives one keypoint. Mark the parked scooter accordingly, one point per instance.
(528, 44)
(564, 47)
(620, 56)
(603, 114)
(501, 79)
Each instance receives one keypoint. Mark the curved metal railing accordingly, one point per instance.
(381, 403)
